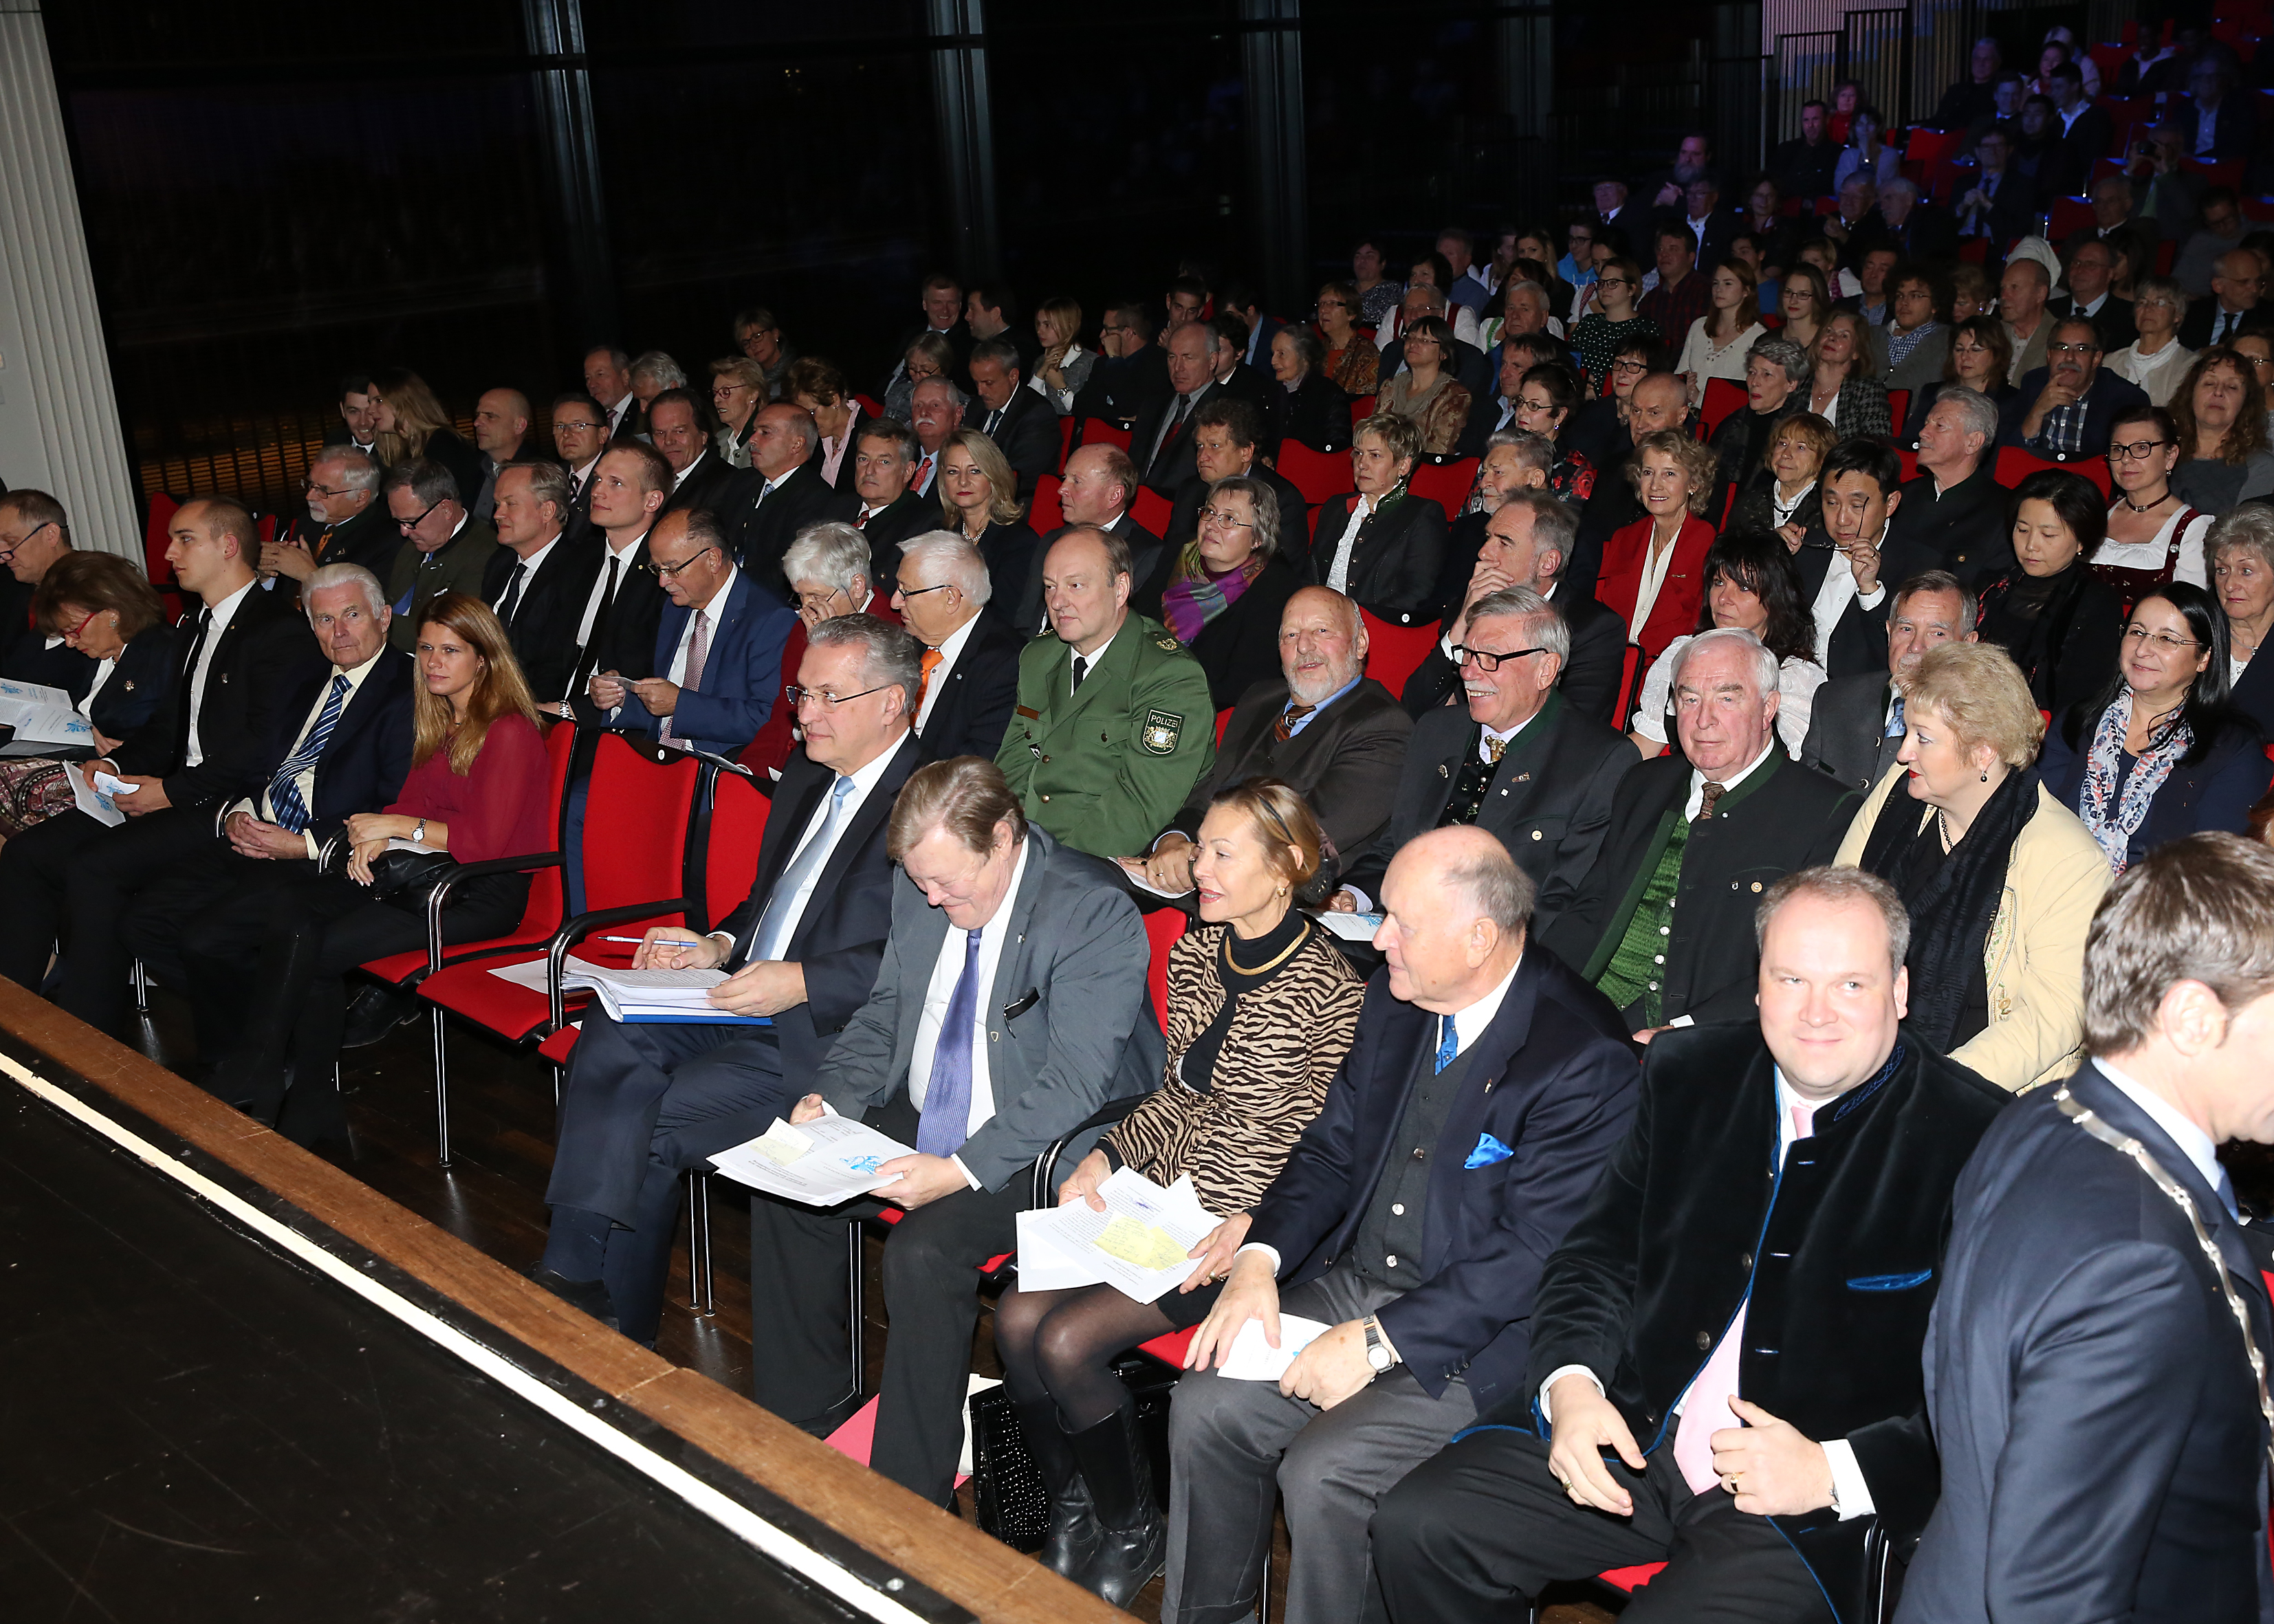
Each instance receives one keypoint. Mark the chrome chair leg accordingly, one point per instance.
(141, 979)
(857, 1295)
(698, 1244)
(441, 1089)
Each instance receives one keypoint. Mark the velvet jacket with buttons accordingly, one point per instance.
(1840, 1250)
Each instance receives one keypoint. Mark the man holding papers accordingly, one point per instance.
(1487, 1085)
(1010, 1006)
(645, 1103)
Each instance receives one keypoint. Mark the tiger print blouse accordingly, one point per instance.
(1285, 1039)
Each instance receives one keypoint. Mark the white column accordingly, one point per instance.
(59, 425)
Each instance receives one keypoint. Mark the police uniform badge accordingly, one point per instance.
(1162, 728)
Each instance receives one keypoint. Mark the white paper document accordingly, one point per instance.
(1350, 926)
(1138, 1244)
(633, 995)
(1253, 1359)
(90, 800)
(824, 1163)
(43, 714)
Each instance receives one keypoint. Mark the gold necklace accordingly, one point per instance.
(1278, 959)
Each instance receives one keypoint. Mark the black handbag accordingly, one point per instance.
(1006, 1485)
(393, 873)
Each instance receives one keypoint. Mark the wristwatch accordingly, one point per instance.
(1377, 1351)
(418, 835)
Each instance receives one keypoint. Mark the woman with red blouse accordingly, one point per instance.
(477, 789)
(1652, 574)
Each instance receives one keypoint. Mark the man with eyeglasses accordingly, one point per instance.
(1513, 757)
(1131, 369)
(346, 523)
(970, 655)
(35, 532)
(641, 1104)
(877, 499)
(718, 646)
(2064, 409)
(2237, 283)
(500, 436)
(580, 434)
(447, 550)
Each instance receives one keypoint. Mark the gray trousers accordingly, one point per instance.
(1235, 1446)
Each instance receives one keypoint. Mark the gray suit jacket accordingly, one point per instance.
(1846, 730)
(1070, 1021)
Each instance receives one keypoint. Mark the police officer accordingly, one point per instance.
(1114, 725)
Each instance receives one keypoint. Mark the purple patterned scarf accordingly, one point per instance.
(1196, 597)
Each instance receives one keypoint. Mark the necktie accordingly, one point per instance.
(511, 603)
(322, 541)
(993, 417)
(1292, 714)
(924, 472)
(1895, 729)
(1449, 1043)
(861, 519)
(774, 924)
(698, 647)
(284, 800)
(945, 1122)
(589, 660)
(931, 663)
(1080, 670)
(196, 647)
(1714, 791)
(1169, 431)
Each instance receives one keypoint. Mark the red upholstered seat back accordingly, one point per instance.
(1393, 653)
(1043, 513)
(1163, 927)
(1320, 476)
(636, 817)
(1445, 483)
(1723, 396)
(729, 857)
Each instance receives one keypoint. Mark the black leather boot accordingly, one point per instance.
(1133, 1540)
(1071, 1545)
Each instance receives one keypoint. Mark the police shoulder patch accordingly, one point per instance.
(1160, 733)
(1166, 644)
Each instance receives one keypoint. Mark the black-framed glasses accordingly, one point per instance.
(2139, 452)
(1486, 659)
(906, 592)
(797, 695)
(8, 549)
(574, 428)
(309, 487)
(408, 525)
(665, 572)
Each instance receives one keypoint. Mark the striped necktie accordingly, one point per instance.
(285, 802)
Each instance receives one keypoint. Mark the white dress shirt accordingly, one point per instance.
(1338, 570)
(945, 972)
(526, 569)
(1837, 592)
(259, 806)
(622, 556)
(864, 780)
(616, 413)
(1090, 661)
(223, 612)
(948, 652)
(2196, 1146)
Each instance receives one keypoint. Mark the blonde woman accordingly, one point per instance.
(979, 500)
(1064, 366)
(412, 424)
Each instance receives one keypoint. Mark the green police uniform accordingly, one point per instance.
(1105, 767)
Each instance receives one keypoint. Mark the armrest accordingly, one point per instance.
(582, 925)
(448, 882)
(1046, 1165)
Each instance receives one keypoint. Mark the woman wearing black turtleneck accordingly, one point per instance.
(2062, 625)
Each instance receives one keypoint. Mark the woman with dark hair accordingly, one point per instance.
(1980, 354)
(2221, 419)
(1719, 341)
(2060, 623)
(1426, 393)
(1805, 304)
(2153, 536)
(1261, 1008)
(2159, 753)
(1318, 411)
(1866, 155)
(1377, 296)
(1352, 363)
(476, 791)
(1787, 501)
(1544, 404)
(1750, 586)
(1610, 320)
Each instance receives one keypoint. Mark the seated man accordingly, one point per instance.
(1010, 1006)
(447, 550)
(718, 647)
(341, 744)
(1023, 425)
(1106, 669)
(970, 659)
(1955, 507)
(1224, 445)
(239, 654)
(1843, 563)
(1855, 724)
(1526, 542)
(1729, 1364)
(1515, 759)
(828, 570)
(2064, 409)
(1099, 485)
(1486, 1088)
(346, 523)
(1512, 459)
(35, 532)
(1131, 369)
(1662, 923)
(877, 500)
(642, 1103)
(1324, 728)
(542, 574)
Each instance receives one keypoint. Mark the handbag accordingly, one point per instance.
(1006, 1485)
(393, 873)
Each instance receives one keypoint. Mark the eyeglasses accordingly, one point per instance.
(1630, 366)
(2166, 644)
(2075, 350)
(1486, 659)
(312, 488)
(408, 525)
(72, 635)
(665, 572)
(1614, 282)
(8, 548)
(797, 695)
(574, 427)
(906, 592)
(1221, 517)
(2139, 452)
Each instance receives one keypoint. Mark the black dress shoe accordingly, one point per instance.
(590, 1296)
(830, 1419)
(376, 1011)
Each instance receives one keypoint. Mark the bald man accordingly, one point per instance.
(501, 436)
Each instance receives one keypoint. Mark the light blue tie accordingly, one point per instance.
(774, 926)
(1895, 729)
(1449, 1045)
(283, 794)
(945, 1120)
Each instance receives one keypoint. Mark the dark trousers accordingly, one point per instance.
(642, 1104)
(1471, 1533)
(799, 1294)
(70, 878)
(223, 900)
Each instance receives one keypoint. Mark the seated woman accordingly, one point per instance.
(979, 499)
(1262, 1007)
(2000, 879)
(106, 609)
(1352, 363)
(1805, 302)
(1788, 502)
(1318, 411)
(2153, 536)
(478, 790)
(931, 355)
(1609, 320)
(827, 567)
(1980, 353)
(412, 423)
(2155, 360)
(1775, 369)
(2242, 549)
(1064, 366)
(1426, 393)
(1382, 545)
(1654, 574)
(1221, 595)
(2060, 623)
(1866, 155)
(1751, 585)
(1914, 341)
(2221, 424)
(1545, 400)
(2160, 754)
(1720, 341)
(1841, 389)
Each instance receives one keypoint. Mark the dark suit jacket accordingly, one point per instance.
(445, 446)
(623, 633)
(762, 526)
(1070, 1024)
(1549, 800)
(976, 695)
(1590, 682)
(1118, 390)
(1028, 436)
(254, 661)
(2214, 792)
(2106, 395)
(1318, 413)
(1783, 818)
(368, 538)
(1256, 385)
(711, 482)
(1552, 1077)
(2194, 332)
(1967, 528)
(1847, 730)
(1394, 560)
(2236, 135)
(1859, 640)
(1345, 762)
(549, 610)
(906, 516)
(1241, 647)
(138, 687)
(1294, 513)
(2102, 1449)
(2113, 321)
(2013, 205)
(2254, 695)
(1178, 463)
(1927, 232)
(1014, 561)
(840, 938)
(741, 673)
(24, 654)
(1485, 413)
(368, 755)
(1832, 1249)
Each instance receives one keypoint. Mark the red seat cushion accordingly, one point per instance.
(1393, 653)
(1631, 1579)
(1170, 1348)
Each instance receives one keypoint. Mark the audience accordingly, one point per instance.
(738, 388)
(1099, 485)
(538, 578)
(2059, 622)
(1914, 346)
(1805, 302)
(828, 566)
(2217, 410)
(412, 424)
(1018, 422)
(1720, 342)
(788, 492)
(1131, 368)
(1383, 546)
(1653, 573)
(2241, 553)
(1062, 366)
(616, 633)
(1352, 360)
(34, 535)
(1856, 725)
(1980, 356)
(979, 500)
(1159, 437)
(700, 476)
(1999, 878)
(1610, 319)
(929, 358)
(2238, 282)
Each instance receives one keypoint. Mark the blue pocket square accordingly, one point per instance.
(1890, 1282)
(1489, 1151)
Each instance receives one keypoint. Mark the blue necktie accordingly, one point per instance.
(283, 794)
(1895, 729)
(774, 925)
(1449, 1045)
(946, 1119)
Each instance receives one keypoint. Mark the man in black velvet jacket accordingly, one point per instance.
(1725, 1350)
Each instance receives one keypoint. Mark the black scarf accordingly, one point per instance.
(2029, 616)
(1953, 902)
